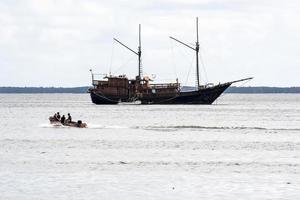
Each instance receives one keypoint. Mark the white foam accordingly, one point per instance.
(51, 126)
(100, 126)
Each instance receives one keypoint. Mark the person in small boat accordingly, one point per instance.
(63, 119)
(69, 120)
(57, 116)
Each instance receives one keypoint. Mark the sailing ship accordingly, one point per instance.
(116, 89)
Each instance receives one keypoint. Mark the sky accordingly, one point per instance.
(55, 42)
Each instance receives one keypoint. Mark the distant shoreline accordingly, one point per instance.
(33, 90)
(79, 90)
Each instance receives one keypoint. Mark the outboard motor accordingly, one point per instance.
(79, 122)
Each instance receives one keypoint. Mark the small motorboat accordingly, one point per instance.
(78, 124)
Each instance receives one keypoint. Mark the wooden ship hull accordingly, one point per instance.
(201, 96)
(98, 98)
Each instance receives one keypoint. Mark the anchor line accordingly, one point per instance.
(168, 99)
(104, 97)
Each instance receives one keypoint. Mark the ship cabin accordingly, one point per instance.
(114, 87)
(148, 90)
(120, 88)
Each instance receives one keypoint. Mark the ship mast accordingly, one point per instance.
(138, 53)
(196, 49)
(197, 55)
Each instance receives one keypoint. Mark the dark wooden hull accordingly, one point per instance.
(202, 96)
(101, 99)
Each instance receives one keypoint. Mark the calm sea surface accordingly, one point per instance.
(242, 147)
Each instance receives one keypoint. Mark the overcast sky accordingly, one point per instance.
(56, 42)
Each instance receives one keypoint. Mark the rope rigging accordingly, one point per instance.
(124, 63)
(191, 66)
(172, 59)
(186, 56)
(111, 57)
(202, 64)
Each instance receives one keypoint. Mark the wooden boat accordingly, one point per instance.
(78, 124)
(115, 89)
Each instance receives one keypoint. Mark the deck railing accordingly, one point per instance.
(165, 85)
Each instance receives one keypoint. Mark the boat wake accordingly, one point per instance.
(174, 128)
(90, 126)
(52, 126)
(100, 126)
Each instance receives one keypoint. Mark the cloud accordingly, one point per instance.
(55, 43)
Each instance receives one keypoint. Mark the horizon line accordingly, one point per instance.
(92, 86)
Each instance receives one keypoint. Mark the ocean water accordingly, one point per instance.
(242, 147)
